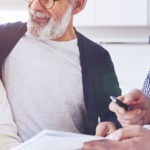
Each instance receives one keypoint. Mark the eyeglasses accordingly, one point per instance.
(48, 4)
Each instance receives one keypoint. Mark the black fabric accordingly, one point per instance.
(99, 82)
(98, 74)
(9, 36)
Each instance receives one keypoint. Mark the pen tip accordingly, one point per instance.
(113, 98)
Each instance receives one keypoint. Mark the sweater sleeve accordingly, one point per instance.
(110, 87)
(8, 128)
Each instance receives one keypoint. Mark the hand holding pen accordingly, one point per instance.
(120, 103)
(135, 113)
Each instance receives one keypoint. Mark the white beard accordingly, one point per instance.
(53, 29)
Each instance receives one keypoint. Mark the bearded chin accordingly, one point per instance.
(52, 30)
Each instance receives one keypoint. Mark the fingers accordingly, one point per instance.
(128, 132)
(105, 128)
(103, 145)
(131, 117)
(132, 137)
(133, 97)
(126, 118)
(116, 108)
(93, 145)
(101, 130)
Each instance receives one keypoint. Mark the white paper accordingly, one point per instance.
(55, 140)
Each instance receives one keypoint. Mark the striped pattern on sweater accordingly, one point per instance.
(146, 86)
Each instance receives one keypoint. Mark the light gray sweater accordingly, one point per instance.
(44, 86)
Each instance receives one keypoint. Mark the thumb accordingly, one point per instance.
(105, 128)
(101, 130)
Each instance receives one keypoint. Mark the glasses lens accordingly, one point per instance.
(47, 3)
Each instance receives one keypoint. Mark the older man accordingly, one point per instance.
(54, 77)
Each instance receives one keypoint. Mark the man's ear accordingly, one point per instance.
(78, 6)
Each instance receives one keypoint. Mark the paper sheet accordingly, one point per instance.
(55, 140)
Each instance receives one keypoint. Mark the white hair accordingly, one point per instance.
(54, 29)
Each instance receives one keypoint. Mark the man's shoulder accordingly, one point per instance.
(92, 46)
(12, 25)
(9, 28)
(10, 34)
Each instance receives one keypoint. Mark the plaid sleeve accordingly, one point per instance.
(146, 86)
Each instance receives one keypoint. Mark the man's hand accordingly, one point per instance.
(132, 138)
(105, 128)
(140, 112)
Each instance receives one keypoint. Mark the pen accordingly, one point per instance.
(120, 103)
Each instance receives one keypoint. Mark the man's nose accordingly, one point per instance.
(35, 5)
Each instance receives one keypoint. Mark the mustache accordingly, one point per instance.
(39, 14)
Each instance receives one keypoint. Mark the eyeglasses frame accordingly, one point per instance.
(31, 1)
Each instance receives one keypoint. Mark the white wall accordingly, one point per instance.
(13, 10)
(13, 4)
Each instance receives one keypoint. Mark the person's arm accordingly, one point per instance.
(110, 86)
(133, 138)
(146, 85)
(8, 128)
(140, 109)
